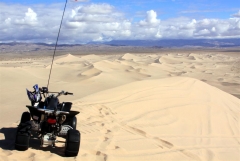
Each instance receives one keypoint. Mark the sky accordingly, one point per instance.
(100, 21)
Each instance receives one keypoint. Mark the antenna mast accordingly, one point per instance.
(56, 43)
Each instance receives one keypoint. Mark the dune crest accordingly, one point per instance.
(67, 58)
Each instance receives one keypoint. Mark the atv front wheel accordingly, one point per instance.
(73, 123)
(72, 143)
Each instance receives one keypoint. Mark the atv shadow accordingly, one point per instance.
(8, 143)
(35, 144)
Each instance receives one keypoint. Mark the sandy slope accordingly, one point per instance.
(133, 107)
(169, 119)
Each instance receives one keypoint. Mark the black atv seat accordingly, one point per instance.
(51, 103)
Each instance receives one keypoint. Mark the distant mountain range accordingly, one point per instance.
(170, 43)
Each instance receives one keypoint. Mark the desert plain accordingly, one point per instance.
(168, 105)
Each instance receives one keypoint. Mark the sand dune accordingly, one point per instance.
(159, 119)
(67, 58)
(133, 106)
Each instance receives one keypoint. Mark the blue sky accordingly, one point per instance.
(153, 19)
(166, 8)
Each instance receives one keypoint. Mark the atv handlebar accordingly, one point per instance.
(45, 90)
(63, 93)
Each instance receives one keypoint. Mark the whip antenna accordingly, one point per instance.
(56, 43)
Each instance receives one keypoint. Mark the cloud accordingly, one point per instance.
(8, 20)
(151, 19)
(237, 14)
(96, 9)
(103, 22)
(29, 19)
(37, 23)
(94, 13)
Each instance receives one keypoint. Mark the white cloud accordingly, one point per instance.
(103, 22)
(202, 32)
(30, 15)
(99, 20)
(237, 14)
(92, 18)
(75, 25)
(94, 13)
(8, 20)
(158, 35)
(96, 9)
(151, 19)
(29, 19)
(213, 29)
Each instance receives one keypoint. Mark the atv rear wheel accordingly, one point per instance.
(25, 117)
(23, 136)
(23, 132)
(72, 143)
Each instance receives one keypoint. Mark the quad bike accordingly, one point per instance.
(48, 119)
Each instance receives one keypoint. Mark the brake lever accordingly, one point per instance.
(68, 93)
